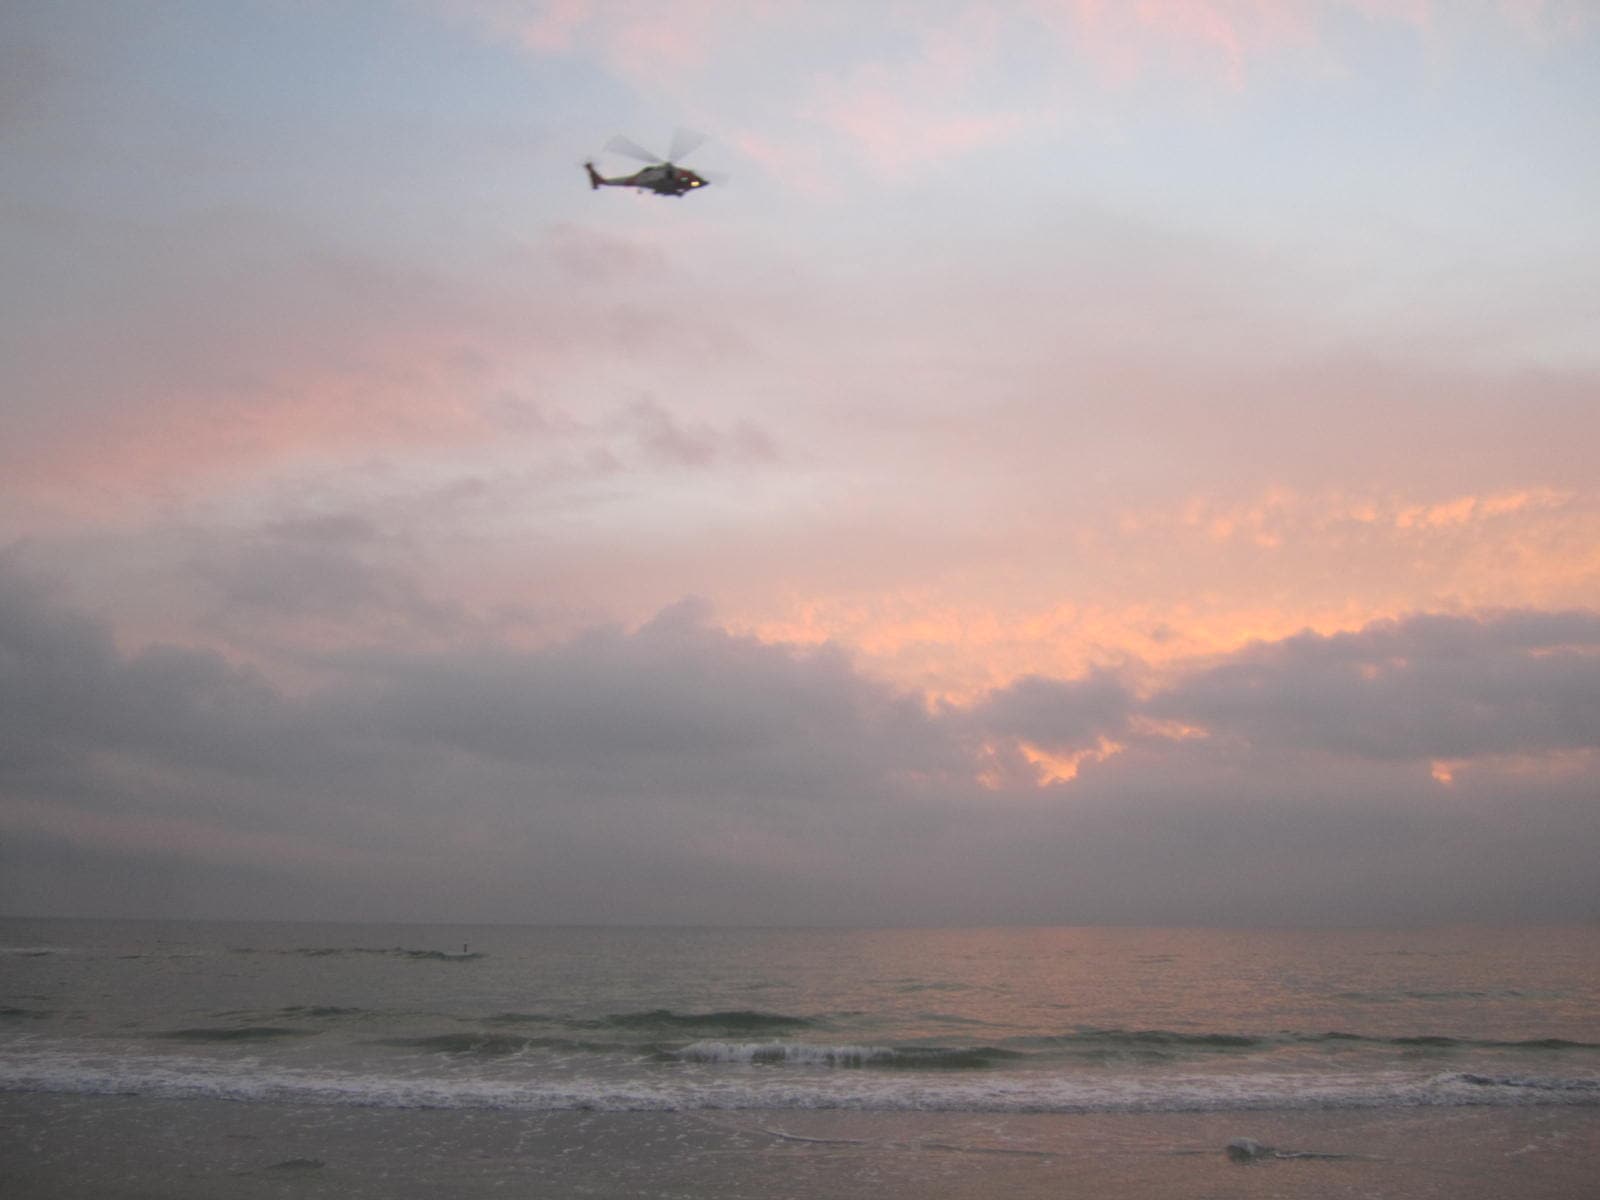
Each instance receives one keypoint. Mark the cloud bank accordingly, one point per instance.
(1429, 768)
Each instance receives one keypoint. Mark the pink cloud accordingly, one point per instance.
(554, 26)
(542, 26)
(895, 130)
(1416, 13)
(929, 106)
(647, 41)
(798, 166)
(670, 38)
(657, 44)
(1224, 40)
(909, 87)
(242, 362)
(1202, 24)
(1122, 40)
(261, 395)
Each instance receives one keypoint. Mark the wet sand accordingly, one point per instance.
(132, 1148)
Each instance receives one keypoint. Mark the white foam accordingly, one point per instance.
(793, 1053)
(33, 1067)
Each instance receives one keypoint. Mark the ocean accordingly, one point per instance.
(806, 1035)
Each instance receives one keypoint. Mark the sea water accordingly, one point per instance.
(1016, 1020)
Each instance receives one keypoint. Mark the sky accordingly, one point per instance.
(1089, 462)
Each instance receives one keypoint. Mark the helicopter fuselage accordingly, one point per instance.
(664, 179)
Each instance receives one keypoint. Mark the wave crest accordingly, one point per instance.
(809, 1054)
(234, 1033)
(734, 1020)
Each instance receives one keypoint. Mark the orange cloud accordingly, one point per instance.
(1168, 730)
(958, 651)
(1555, 764)
(1463, 510)
(1053, 767)
(1160, 585)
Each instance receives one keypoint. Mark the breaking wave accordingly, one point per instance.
(1162, 1042)
(1546, 1084)
(488, 1045)
(43, 1070)
(226, 1033)
(737, 1020)
(947, 1058)
(298, 1011)
(351, 951)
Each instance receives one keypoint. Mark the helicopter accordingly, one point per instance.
(663, 176)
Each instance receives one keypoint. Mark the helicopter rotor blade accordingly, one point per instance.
(622, 145)
(684, 143)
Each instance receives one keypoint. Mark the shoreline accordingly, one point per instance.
(54, 1146)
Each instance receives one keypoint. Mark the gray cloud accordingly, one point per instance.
(677, 772)
(1058, 714)
(676, 707)
(70, 698)
(1425, 687)
(299, 567)
(663, 438)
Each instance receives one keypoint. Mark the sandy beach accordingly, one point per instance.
(130, 1148)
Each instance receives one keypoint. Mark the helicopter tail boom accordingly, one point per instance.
(595, 181)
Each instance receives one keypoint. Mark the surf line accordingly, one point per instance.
(815, 1141)
(734, 1126)
(950, 1147)
(917, 1144)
